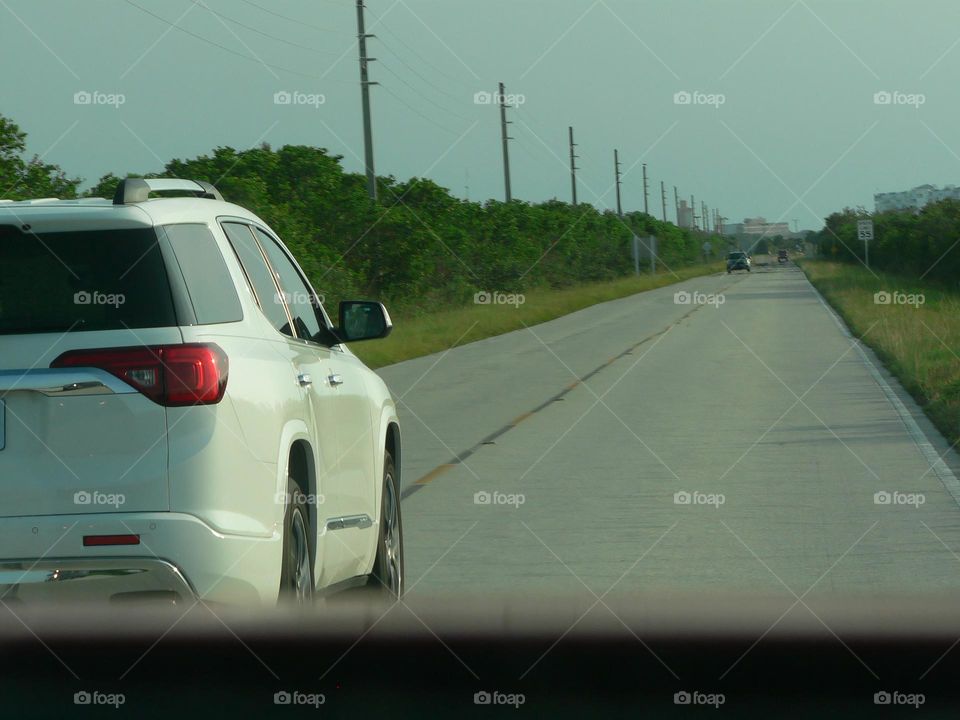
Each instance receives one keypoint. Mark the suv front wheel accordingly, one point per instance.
(388, 576)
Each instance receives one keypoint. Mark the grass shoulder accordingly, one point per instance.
(912, 325)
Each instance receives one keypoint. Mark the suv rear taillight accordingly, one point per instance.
(170, 375)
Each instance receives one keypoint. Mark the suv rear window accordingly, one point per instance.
(82, 280)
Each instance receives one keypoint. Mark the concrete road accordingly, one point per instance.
(731, 439)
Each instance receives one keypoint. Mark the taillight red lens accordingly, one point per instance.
(99, 540)
(170, 375)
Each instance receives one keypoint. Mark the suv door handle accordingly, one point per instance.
(304, 379)
(335, 379)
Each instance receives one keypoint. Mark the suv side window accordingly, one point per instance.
(302, 303)
(259, 275)
(208, 281)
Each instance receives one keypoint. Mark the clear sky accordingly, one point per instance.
(783, 92)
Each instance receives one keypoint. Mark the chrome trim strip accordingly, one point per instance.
(57, 382)
(94, 387)
(93, 577)
(349, 521)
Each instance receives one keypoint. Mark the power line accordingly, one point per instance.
(290, 19)
(268, 35)
(222, 47)
(441, 107)
(411, 69)
(413, 109)
(380, 23)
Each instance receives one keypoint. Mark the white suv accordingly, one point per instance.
(179, 418)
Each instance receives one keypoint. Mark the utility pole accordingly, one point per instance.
(705, 215)
(646, 194)
(693, 213)
(676, 203)
(365, 96)
(506, 143)
(663, 199)
(573, 168)
(616, 167)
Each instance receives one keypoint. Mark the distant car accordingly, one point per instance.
(782, 256)
(738, 260)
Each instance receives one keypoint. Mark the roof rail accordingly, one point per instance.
(136, 190)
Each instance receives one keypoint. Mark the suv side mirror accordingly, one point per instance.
(363, 320)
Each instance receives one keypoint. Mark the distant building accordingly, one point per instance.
(685, 215)
(758, 227)
(915, 199)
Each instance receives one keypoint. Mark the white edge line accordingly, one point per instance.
(942, 470)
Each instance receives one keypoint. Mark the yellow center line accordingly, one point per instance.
(433, 474)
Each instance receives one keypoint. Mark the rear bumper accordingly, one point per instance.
(179, 558)
(79, 579)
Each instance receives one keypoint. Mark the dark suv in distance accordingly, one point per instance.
(738, 260)
(782, 256)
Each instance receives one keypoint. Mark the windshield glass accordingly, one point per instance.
(539, 317)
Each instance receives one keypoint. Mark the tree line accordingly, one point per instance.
(923, 243)
(418, 247)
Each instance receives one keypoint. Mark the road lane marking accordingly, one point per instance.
(436, 472)
(489, 440)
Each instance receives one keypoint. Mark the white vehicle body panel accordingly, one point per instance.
(204, 487)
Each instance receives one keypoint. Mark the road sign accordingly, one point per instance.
(865, 230)
(707, 247)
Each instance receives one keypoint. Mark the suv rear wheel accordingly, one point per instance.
(296, 569)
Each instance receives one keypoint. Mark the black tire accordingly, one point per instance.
(297, 584)
(388, 578)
